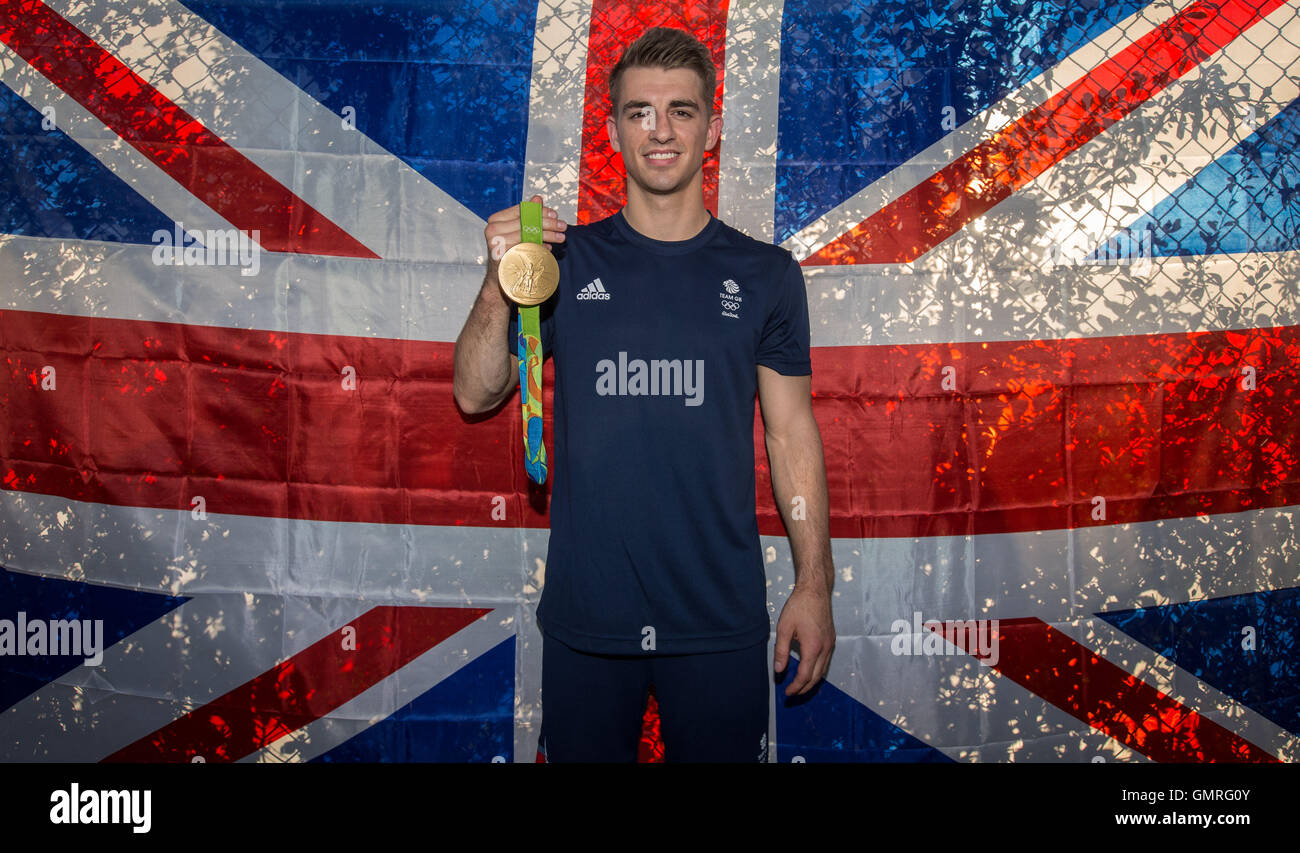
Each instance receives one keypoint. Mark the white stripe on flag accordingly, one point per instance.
(308, 294)
(751, 99)
(1050, 574)
(1053, 575)
(168, 551)
(891, 304)
(848, 305)
(557, 99)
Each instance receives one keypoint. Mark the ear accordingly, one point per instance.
(715, 131)
(611, 128)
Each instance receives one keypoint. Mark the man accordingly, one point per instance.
(665, 325)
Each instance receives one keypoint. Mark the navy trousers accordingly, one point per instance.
(712, 706)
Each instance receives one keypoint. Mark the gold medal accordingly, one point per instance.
(528, 273)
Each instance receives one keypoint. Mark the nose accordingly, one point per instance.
(663, 129)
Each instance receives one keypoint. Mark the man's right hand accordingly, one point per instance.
(504, 230)
(485, 373)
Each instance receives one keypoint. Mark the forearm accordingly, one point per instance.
(799, 485)
(483, 377)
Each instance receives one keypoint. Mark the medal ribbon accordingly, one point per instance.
(530, 357)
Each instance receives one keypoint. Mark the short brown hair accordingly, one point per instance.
(667, 48)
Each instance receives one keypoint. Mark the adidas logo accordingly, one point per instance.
(595, 290)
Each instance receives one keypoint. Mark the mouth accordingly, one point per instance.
(663, 157)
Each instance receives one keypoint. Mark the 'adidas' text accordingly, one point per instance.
(594, 290)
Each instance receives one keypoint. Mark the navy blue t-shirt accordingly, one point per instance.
(654, 543)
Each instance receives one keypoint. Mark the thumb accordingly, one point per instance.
(782, 654)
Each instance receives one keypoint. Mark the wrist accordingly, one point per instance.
(491, 288)
(815, 581)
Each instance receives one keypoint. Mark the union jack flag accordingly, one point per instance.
(1051, 251)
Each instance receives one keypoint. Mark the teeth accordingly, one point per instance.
(662, 156)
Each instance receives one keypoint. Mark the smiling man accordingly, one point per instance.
(666, 324)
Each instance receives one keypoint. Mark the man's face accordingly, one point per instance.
(662, 128)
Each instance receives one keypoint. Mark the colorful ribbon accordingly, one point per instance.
(530, 357)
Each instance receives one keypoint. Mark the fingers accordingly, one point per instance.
(781, 655)
(504, 228)
(823, 662)
(813, 664)
(803, 674)
(553, 228)
(552, 225)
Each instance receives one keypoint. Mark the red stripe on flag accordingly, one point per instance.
(303, 688)
(1090, 688)
(614, 25)
(940, 206)
(218, 175)
(924, 440)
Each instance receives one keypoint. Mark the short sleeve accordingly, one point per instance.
(547, 323)
(785, 344)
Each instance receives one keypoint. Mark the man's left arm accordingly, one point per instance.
(794, 452)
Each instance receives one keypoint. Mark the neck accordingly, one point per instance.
(671, 218)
